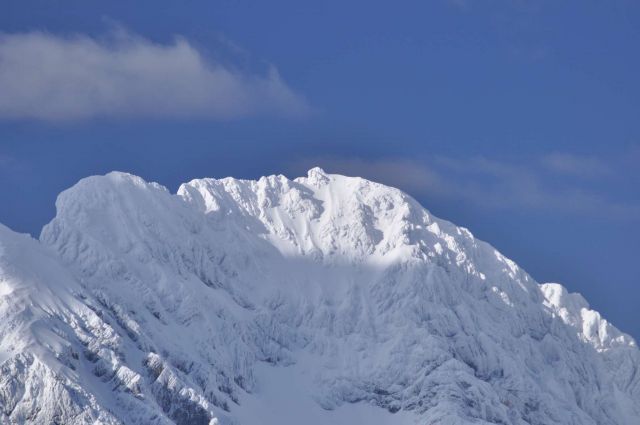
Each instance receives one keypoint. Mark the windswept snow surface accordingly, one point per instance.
(324, 299)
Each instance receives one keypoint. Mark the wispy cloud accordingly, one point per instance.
(55, 78)
(576, 165)
(545, 184)
(405, 174)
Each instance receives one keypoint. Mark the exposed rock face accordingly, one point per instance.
(138, 306)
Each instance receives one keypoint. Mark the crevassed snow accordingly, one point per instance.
(240, 302)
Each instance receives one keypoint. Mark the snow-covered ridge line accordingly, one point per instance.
(161, 308)
(591, 326)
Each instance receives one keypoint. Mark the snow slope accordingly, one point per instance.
(324, 299)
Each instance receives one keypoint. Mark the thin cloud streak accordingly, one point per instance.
(576, 165)
(401, 173)
(485, 183)
(54, 78)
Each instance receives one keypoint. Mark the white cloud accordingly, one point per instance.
(54, 78)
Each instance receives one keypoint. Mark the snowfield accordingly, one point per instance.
(324, 299)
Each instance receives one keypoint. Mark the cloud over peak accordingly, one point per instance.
(55, 78)
(544, 184)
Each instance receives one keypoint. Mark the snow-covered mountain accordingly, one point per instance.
(324, 299)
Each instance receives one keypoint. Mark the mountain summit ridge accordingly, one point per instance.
(142, 306)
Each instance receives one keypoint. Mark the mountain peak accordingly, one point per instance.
(186, 308)
(317, 176)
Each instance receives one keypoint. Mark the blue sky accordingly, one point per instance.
(514, 118)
